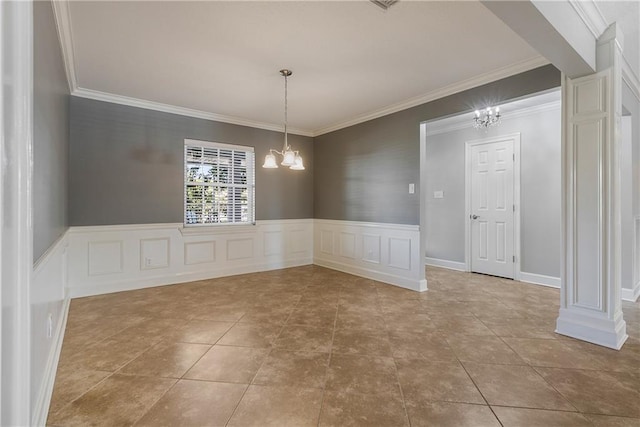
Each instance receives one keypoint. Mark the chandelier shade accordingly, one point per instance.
(290, 158)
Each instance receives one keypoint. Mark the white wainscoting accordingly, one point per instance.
(104, 259)
(633, 294)
(49, 307)
(388, 253)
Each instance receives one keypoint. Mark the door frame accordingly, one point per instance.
(515, 137)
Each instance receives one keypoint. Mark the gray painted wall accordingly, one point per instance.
(126, 165)
(51, 133)
(540, 190)
(362, 172)
(50, 183)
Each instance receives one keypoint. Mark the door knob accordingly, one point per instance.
(474, 217)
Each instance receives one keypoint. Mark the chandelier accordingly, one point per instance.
(486, 118)
(290, 158)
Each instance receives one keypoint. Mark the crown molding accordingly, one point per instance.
(590, 15)
(182, 111)
(63, 24)
(465, 120)
(631, 79)
(482, 79)
(595, 21)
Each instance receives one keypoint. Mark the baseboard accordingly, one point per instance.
(175, 278)
(451, 265)
(43, 401)
(631, 294)
(540, 279)
(403, 282)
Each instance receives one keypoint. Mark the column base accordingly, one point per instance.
(593, 329)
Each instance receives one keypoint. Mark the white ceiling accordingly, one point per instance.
(350, 60)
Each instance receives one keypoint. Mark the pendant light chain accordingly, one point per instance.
(286, 108)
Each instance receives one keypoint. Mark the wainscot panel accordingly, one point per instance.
(388, 253)
(49, 307)
(115, 258)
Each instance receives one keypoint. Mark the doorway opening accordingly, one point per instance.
(517, 229)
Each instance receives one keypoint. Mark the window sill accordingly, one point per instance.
(217, 229)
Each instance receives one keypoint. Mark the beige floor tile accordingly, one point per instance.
(349, 341)
(264, 406)
(118, 401)
(71, 384)
(361, 322)
(228, 364)
(625, 360)
(551, 353)
(423, 345)
(354, 409)
(297, 369)
(515, 329)
(611, 421)
(166, 359)
(107, 355)
(151, 330)
(267, 314)
(194, 403)
(411, 322)
(593, 391)
(305, 338)
(423, 381)
(521, 386)
(313, 317)
(483, 349)
(362, 374)
(251, 335)
(450, 414)
(221, 313)
(520, 417)
(460, 325)
(200, 332)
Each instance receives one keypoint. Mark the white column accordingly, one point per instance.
(590, 306)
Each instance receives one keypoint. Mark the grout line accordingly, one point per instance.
(479, 391)
(326, 374)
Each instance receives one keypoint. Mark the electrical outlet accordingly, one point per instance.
(49, 325)
(412, 188)
(147, 262)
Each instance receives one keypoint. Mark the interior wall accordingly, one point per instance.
(51, 133)
(126, 165)
(363, 172)
(540, 189)
(50, 197)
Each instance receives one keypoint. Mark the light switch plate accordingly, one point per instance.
(412, 188)
(438, 194)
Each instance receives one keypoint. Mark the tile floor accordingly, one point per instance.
(310, 346)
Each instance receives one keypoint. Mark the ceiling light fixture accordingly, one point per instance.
(487, 118)
(384, 4)
(289, 157)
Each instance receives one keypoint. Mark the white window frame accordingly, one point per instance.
(250, 182)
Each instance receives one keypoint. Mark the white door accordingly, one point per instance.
(492, 208)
